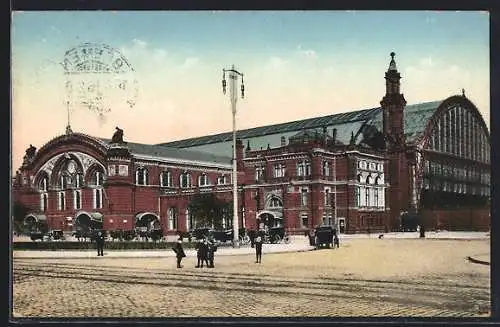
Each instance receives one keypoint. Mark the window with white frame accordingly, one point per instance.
(203, 180)
(97, 178)
(327, 196)
(188, 220)
(43, 184)
(259, 173)
(279, 170)
(79, 180)
(357, 196)
(172, 218)
(362, 196)
(303, 197)
(141, 176)
(61, 200)
(63, 182)
(326, 168)
(44, 201)
(375, 197)
(166, 178)
(97, 192)
(367, 196)
(275, 203)
(185, 180)
(304, 220)
(222, 180)
(77, 199)
(303, 168)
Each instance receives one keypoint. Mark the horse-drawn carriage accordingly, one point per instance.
(323, 236)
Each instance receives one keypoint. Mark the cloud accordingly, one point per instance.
(276, 63)
(139, 43)
(427, 62)
(189, 62)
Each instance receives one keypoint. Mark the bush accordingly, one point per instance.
(62, 245)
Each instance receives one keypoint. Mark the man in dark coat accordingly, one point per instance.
(100, 243)
(202, 252)
(258, 249)
(211, 253)
(179, 252)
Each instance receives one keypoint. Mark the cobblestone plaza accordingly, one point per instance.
(365, 277)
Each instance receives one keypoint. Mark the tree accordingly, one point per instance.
(208, 211)
(19, 211)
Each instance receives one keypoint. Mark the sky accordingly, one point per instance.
(296, 65)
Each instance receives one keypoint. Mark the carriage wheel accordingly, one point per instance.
(277, 239)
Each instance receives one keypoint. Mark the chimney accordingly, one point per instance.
(283, 141)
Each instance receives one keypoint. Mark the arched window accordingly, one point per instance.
(79, 180)
(97, 178)
(43, 184)
(360, 178)
(185, 179)
(63, 181)
(275, 203)
(141, 176)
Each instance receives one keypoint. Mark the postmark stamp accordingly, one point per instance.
(99, 78)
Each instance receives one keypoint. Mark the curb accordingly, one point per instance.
(481, 262)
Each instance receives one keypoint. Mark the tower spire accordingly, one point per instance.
(392, 64)
(68, 127)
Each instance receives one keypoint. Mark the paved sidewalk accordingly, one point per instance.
(221, 251)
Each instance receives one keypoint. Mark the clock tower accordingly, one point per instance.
(393, 104)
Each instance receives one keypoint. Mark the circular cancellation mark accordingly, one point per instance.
(98, 77)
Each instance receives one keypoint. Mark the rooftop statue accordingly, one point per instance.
(118, 136)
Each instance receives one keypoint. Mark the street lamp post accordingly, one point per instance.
(233, 78)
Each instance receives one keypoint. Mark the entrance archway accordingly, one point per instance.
(36, 223)
(269, 219)
(147, 221)
(88, 221)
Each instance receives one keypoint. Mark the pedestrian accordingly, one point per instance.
(202, 252)
(258, 249)
(212, 248)
(100, 243)
(179, 252)
(336, 242)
